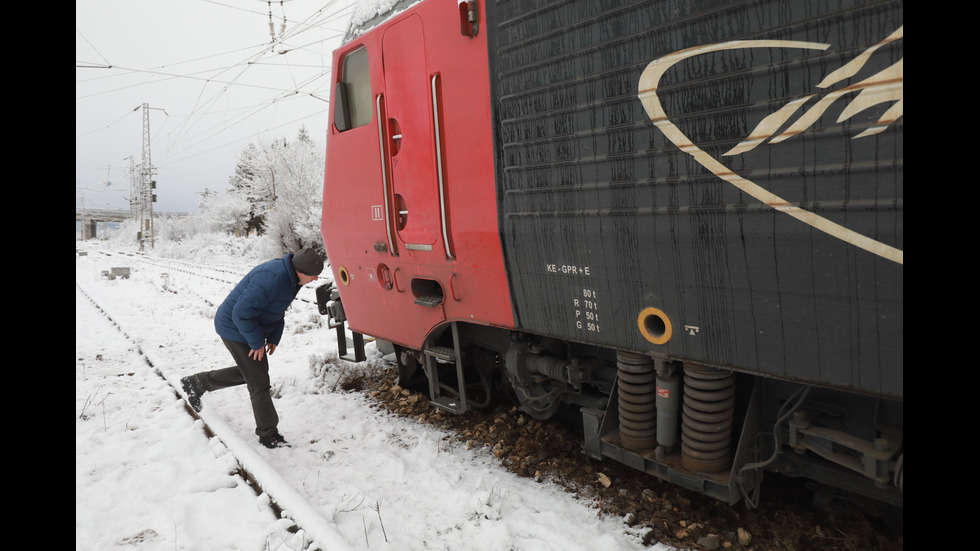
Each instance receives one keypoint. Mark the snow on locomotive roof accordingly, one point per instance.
(368, 14)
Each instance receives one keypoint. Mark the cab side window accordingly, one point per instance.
(352, 100)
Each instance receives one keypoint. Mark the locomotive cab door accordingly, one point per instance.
(409, 136)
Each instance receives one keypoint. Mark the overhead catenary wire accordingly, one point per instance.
(252, 60)
(192, 130)
(87, 41)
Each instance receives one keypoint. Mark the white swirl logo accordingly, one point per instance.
(885, 86)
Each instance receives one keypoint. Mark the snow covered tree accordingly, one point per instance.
(227, 213)
(249, 185)
(299, 200)
(283, 183)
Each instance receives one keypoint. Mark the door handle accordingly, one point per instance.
(442, 191)
(384, 177)
(395, 130)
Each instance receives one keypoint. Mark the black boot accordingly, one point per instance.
(274, 441)
(193, 391)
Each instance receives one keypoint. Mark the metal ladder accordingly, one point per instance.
(443, 396)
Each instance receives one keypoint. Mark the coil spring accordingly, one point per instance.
(708, 415)
(637, 401)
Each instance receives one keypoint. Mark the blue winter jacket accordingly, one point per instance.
(254, 311)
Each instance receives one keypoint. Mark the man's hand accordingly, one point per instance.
(257, 355)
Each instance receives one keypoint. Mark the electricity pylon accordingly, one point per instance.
(146, 195)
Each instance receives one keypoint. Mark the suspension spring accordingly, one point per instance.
(708, 416)
(637, 401)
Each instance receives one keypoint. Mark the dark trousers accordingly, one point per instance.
(253, 374)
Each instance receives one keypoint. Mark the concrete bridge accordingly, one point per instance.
(90, 218)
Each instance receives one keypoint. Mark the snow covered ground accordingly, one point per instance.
(148, 477)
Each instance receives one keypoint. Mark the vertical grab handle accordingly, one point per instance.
(442, 192)
(384, 177)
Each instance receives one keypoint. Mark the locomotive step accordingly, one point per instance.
(429, 301)
(447, 403)
(442, 353)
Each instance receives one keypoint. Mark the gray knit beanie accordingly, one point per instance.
(308, 262)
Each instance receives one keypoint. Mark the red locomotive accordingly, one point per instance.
(682, 220)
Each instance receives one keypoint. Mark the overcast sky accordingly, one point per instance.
(213, 81)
